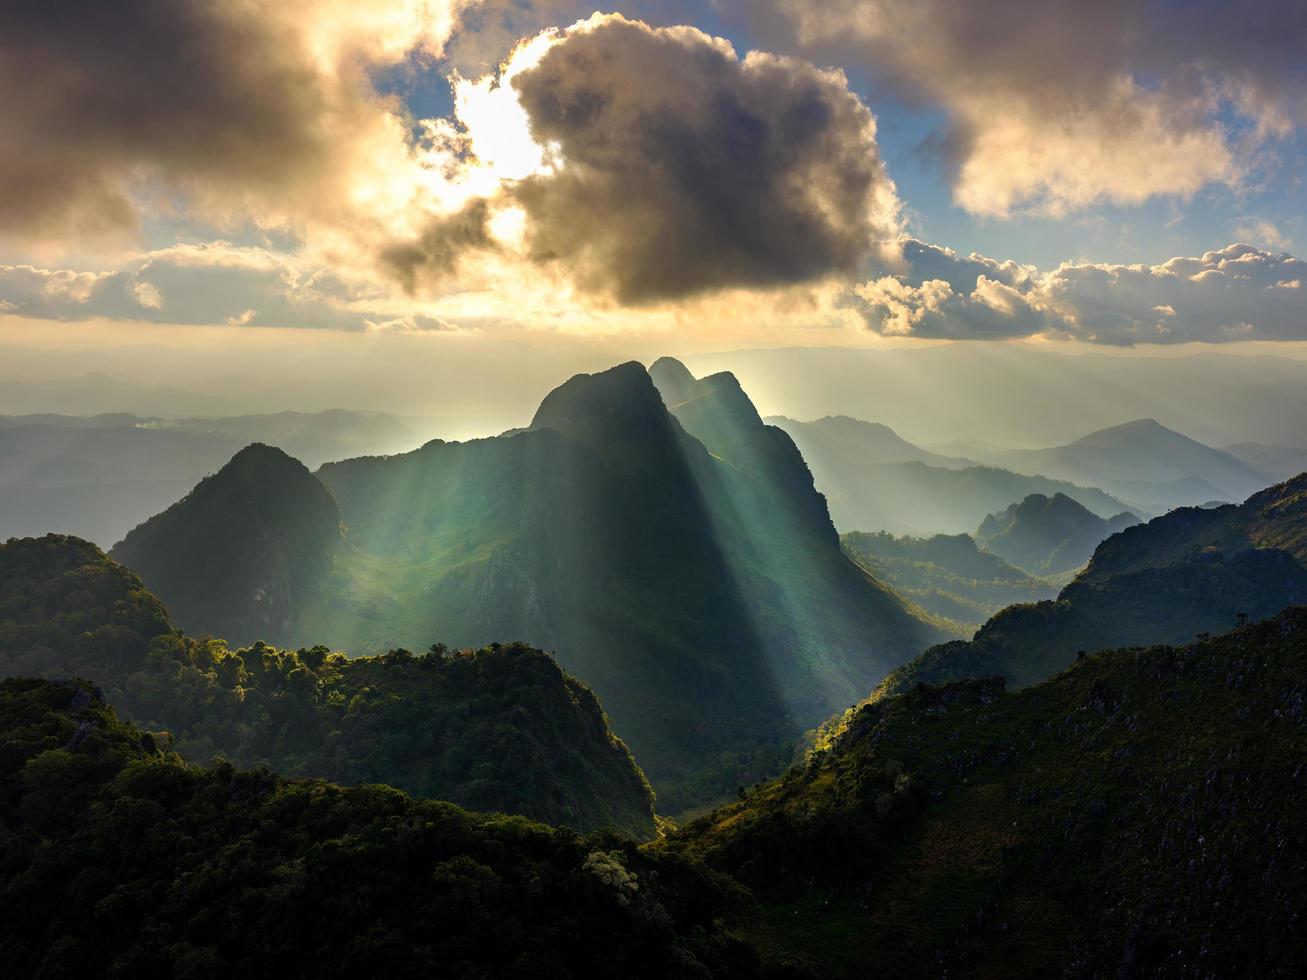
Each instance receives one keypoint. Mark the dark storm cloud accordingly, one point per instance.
(190, 89)
(435, 254)
(683, 170)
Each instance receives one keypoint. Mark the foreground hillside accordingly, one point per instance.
(699, 589)
(1138, 815)
(497, 729)
(121, 860)
(1188, 572)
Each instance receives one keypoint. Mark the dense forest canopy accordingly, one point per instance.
(503, 728)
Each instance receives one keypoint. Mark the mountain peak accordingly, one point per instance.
(673, 380)
(605, 408)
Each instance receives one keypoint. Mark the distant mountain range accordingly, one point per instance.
(875, 481)
(99, 476)
(1145, 463)
(1191, 571)
(681, 562)
(1008, 394)
(1047, 535)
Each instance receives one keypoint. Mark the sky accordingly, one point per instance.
(679, 175)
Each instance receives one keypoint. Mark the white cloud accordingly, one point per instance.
(1234, 293)
(1056, 106)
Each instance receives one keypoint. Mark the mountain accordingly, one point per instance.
(501, 728)
(99, 476)
(121, 860)
(857, 466)
(1048, 535)
(1275, 463)
(236, 556)
(838, 436)
(1135, 816)
(1145, 462)
(946, 575)
(701, 594)
(1188, 572)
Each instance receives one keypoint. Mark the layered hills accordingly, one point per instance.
(693, 578)
(876, 481)
(946, 574)
(502, 728)
(1194, 570)
(1144, 462)
(1136, 816)
(1048, 535)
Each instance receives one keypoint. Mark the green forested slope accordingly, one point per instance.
(1138, 815)
(946, 574)
(502, 728)
(118, 859)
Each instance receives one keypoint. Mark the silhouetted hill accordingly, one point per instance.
(240, 554)
(1131, 817)
(1190, 571)
(1048, 535)
(946, 574)
(120, 860)
(1145, 463)
(703, 597)
(502, 728)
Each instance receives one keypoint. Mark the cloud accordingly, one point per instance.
(1055, 106)
(1235, 293)
(204, 285)
(1262, 232)
(683, 169)
(653, 164)
(261, 110)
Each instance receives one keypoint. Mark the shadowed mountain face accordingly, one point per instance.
(239, 555)
(1145, 463)
(875, 480)
(702, 594)
(1135, 816)
(1191, 571)
(500, 729)
(1048, 535)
